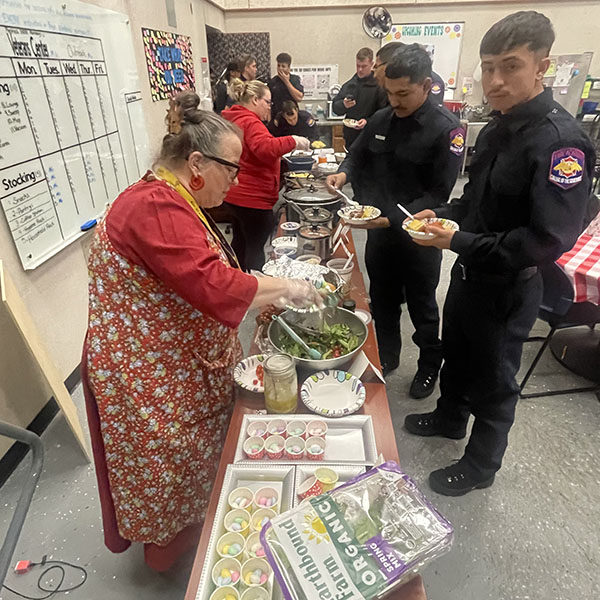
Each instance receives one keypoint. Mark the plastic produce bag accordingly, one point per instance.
(359, 541)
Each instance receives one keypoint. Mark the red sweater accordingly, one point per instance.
(260, 161)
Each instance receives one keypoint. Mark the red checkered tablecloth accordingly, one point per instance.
(582, 265)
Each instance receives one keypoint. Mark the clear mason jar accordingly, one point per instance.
(281, 384)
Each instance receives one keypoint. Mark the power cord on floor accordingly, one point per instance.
(24, 566)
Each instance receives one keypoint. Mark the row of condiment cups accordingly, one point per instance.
(243, 497)
(230, 593)
(276, 447)
(240, 521)
(252, 573)
(286, 429)
(235, 545)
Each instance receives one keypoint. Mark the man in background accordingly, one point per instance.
(360, 97)
(247, 67)
(284, 86)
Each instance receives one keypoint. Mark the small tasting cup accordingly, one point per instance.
(295, 442)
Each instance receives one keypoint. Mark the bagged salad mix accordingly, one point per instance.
(358, 542)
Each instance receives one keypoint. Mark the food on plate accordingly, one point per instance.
(260, 376)
(318, 144)
(334, 341)
(352, 123)
(298, 174)
(362, 212)
(418, 225)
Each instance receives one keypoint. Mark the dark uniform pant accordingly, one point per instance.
(484, 327)
(401, 271)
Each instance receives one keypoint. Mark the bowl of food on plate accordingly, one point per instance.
(416, 227)
(352, 123)
(356, 215)
(338, 336)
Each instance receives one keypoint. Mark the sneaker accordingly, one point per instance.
(423, 384)
(458, 479)
(428, 424)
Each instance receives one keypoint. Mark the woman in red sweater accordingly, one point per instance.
(251, 201)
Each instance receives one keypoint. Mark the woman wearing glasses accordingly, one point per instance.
(166, 298)
(251, 202)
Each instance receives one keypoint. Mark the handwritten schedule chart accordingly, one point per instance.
(61, 153)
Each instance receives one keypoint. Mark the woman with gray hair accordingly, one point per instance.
(166, 297)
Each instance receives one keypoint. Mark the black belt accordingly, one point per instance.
(469, 274)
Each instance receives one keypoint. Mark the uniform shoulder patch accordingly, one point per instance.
(457, 141)
(436, 88)
(566, 167)
(310, 122)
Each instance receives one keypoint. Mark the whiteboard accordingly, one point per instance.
(71, 133)
(443, 41)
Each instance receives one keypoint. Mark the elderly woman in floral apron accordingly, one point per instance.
(166, 298)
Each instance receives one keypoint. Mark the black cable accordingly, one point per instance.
(44, 575)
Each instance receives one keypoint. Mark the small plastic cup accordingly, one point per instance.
(231, 565)
(316, 429)
(272, 442)
(227, 545)
(257, 429)
(250, 567)
(328, 478)
(256, 593)
(258, 518)
(337, 265)
(234, 526)
(254, 448)
(310, 487)
(263, 496)
(241, 498)
(315, 448)
(254, 547)
(223, 593)
(295, 448)
(296, 429)
(277, 427)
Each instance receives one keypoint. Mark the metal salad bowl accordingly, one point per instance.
(331, 316)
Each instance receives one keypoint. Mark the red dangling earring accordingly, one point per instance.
(197, 182)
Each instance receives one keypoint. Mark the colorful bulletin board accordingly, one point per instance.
(443, 41)
(169, 61)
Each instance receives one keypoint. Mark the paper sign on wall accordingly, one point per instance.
(316, 79)
(442, 40)
(169, 62)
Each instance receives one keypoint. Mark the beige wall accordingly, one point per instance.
(334, 34)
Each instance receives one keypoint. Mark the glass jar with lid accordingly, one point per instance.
(281, 384)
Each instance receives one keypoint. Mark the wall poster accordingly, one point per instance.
(169, 62)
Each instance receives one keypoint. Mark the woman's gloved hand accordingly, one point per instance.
(301, 294)
(302, 143)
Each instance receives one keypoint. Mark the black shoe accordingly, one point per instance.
(388, 367)
(428, 424)
(423, 384)
(458, 479)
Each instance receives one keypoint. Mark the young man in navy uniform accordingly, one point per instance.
(285, 85)
(409, 152)
(525, 204)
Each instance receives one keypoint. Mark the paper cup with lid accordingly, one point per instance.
(256, 572)
(241, 498)
(225, 593)
(266, 497)
(275, 447)
(231, 545)
(257, 429)
(237, 521)
(254, 547)
(261, 517)
(227, 572)
(295, 448)
(296, 429)
(254, 448)
(316, 428)
(328, 478)
(315, 448)
(310, 487)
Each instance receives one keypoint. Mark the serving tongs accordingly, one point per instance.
(314, 354)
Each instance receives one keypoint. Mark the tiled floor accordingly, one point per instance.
(534, 535)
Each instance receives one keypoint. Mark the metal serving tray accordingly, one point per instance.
(253, 476)
(350, 440)
(304, 471)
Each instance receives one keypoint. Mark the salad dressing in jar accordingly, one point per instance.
(281, 384)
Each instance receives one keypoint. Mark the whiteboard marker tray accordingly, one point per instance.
(350, 440)
(255, 476)
(345, 473)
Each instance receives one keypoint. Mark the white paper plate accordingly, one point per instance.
(244, 373)
(346, 211)
(423, 235)
(352, 123)
(289, 241)
(333, 393)
(363, 315)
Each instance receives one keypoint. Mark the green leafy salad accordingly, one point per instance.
(334, 341)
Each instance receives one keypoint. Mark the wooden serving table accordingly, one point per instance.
(376, 405)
